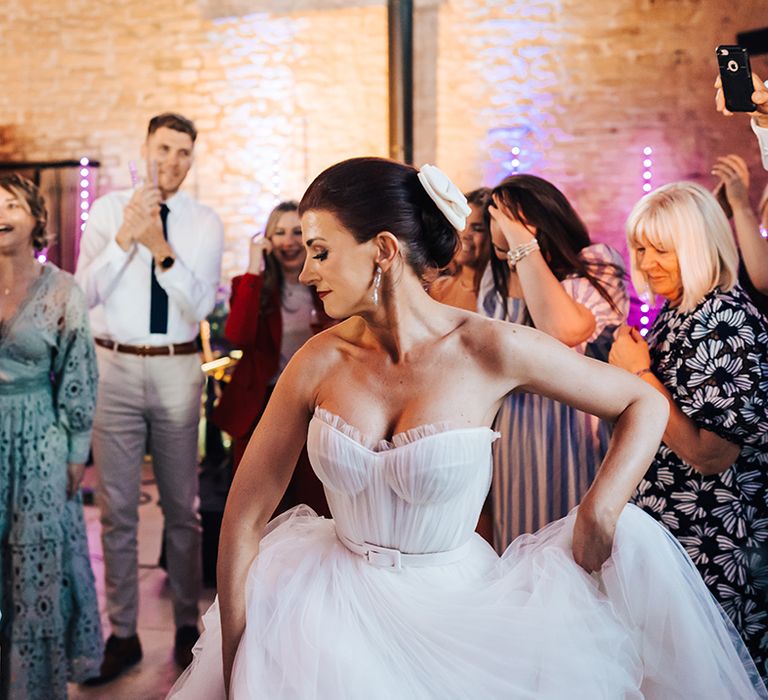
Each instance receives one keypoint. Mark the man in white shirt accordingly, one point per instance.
(149, 264)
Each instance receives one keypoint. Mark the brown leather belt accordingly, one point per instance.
(149, 350)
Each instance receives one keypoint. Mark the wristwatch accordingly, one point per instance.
(167, 262)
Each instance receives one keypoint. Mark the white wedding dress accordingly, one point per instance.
(325, 622)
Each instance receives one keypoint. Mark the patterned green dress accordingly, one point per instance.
(50, 630)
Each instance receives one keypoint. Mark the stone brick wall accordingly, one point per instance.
(276, 98)
(580, 86)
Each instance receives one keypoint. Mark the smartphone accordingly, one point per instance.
(736, 76)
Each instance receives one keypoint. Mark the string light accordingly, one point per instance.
(647, 172)
(514, 163)
(85, 191)
(647, 187)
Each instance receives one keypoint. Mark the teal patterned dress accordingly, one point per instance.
(50, 631)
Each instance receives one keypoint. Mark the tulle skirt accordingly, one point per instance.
(324, 624)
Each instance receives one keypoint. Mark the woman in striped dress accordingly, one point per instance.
(546, 273)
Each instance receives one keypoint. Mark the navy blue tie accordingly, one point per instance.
(158, 300)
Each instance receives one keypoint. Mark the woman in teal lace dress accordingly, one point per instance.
(49, 631)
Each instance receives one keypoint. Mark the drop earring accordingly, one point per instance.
(376, 285)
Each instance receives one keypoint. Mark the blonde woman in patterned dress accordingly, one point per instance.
(706, 353)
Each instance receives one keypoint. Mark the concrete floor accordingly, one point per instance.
(152, 678)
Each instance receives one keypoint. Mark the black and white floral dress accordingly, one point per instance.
(714, 361)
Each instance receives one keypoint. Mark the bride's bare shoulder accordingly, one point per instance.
(492, 341)
(328, 347)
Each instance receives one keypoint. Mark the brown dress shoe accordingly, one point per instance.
(120, 654)
(186, 636)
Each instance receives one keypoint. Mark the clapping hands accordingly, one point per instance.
(141, 219)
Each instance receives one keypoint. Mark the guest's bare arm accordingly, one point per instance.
(704, 450)
(734, 176)
(539, 364)
(551, 308)
(258, 486)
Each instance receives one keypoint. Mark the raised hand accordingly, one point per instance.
(734, 180)
(759, 97)
(259, 248)
(515, 232)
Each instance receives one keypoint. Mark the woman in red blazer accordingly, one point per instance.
(271, 316)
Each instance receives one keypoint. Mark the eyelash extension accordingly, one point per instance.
(320, 256)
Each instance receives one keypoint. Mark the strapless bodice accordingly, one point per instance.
(421, 492)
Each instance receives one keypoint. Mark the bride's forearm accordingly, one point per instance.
(238, 547)
(634, 443)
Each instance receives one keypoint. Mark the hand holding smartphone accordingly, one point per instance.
(735, 78)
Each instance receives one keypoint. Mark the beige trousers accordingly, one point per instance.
(155, 402)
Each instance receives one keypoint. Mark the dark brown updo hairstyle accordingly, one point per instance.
(32, 200)
(371, 195)
(560, 232)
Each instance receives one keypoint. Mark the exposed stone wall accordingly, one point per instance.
(276, 98)
(580, 86)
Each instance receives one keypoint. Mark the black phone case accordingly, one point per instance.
(736, 76)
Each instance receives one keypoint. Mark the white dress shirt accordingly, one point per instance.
(762, 138)
(117, 283)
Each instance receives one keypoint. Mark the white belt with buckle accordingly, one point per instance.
(389, 558)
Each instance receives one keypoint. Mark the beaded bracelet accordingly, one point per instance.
(515, 255)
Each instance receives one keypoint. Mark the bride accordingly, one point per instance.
(396, 597)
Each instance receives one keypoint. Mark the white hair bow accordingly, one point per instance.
(448, 198)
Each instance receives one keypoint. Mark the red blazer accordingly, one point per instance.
(258, 336)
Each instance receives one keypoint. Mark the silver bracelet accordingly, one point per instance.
(515, 255)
